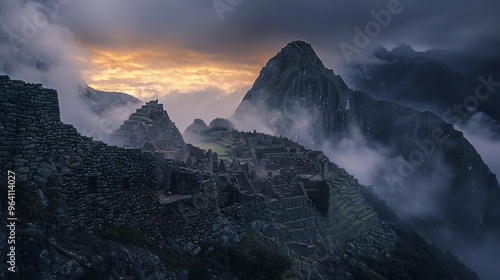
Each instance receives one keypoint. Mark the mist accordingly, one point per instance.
(484, 135)
(415, 196)
(184, 107)
(35, 49)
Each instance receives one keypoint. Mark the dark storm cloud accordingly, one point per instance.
(254, 27)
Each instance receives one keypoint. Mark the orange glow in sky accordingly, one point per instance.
(149, 74)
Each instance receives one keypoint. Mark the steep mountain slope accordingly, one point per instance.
(418, 80)
(296, 96)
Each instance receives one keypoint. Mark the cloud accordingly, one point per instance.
(414, 196)
(43, 53)
(419, 197)
(35, 49)
(153, 73)
(358, 156)
(152, 48)
(484, 135)
(208, 104)
(257, 27)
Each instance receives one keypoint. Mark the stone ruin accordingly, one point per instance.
(151, 129)
(305, 192)
(172, 204)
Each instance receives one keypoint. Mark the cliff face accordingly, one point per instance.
(296, 96)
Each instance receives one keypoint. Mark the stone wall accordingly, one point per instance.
(240, 207)
(189, 221)
(93, 185)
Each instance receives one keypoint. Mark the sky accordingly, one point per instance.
(210, 52)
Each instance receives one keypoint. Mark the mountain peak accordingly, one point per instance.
(403, 49)
(295, 79)
(299, 54)
(296, 60)
(301, 47)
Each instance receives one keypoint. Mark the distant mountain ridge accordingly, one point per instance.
(414, 78)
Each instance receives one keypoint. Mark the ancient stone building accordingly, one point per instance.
(151, 129)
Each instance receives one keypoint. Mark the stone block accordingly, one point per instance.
(216, 227)
(39, 179)
(196, 251)
(188, 247)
